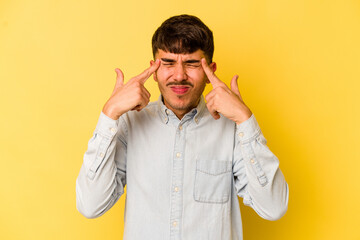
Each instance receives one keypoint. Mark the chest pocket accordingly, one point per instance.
(212, 181)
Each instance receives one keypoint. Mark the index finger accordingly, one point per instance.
(142, 77)
(210, 74)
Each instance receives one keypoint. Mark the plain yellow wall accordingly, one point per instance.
(299, 68)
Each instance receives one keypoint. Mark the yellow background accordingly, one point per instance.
(299, 68)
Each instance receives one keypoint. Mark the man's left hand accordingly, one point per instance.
(223, 100)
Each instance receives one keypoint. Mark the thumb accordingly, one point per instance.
(119, 78)
(234, 86)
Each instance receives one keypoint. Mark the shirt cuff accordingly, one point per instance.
(247, 129)
(107, 126)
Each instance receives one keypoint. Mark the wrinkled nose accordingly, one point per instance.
(179, 73)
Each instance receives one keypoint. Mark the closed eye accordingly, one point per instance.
(193, 65)
(167, 61)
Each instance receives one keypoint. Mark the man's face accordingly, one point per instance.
(181, 80)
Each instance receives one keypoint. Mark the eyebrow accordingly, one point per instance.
(192, 61)
(167, 60)
(187, 61)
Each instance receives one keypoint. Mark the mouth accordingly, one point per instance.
(180, 90)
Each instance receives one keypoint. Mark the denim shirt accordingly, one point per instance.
(183, 176)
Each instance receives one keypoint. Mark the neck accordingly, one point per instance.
(180, 112)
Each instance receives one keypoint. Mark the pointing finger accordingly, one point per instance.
(210, 74)
(142, 77)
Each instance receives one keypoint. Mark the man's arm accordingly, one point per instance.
(257, 176)
(102, 176)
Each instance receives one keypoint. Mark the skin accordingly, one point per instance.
(223, 100)
(181, 79)
(131, 95)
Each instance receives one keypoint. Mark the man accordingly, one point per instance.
(184, 161)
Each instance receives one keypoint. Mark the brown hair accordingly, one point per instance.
(184, 34)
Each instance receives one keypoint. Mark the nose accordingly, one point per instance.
(179, 73)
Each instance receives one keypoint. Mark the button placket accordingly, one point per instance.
(177, 182)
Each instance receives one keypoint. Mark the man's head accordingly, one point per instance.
(184, 34)
(180, 43)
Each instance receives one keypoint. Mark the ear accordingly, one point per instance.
(213, 68)
(152, 62)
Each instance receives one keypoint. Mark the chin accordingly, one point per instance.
(183, 105)
(179, 106)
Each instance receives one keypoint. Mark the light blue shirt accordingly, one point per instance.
(183, 176)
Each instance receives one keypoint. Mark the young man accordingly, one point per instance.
(184, 161)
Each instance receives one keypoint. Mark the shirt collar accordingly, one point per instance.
(196, 113)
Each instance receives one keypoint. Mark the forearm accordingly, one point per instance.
(259, 179)
(100, 182)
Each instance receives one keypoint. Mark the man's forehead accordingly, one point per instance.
(198, 54)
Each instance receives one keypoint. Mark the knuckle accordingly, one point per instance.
(217, 90)
(138, 98)
(208, 107)
(222, 84)
(207, 98)
(222, 88)
(137, 92)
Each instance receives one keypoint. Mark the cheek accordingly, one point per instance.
(163, 74)
(196, 74)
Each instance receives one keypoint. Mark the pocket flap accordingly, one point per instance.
(213, 167)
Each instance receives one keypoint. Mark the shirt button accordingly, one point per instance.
(113, 130)
(176, 189)
(167, 111)
(174, 223)
(252, 160)
(180, 127)
(101, 154)
(165, 118)
(178, 155)
(241, 134)
(196, 120)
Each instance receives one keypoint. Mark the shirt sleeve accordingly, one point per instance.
(257, 176)
(102, 176)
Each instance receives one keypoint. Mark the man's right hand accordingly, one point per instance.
(130, 96)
